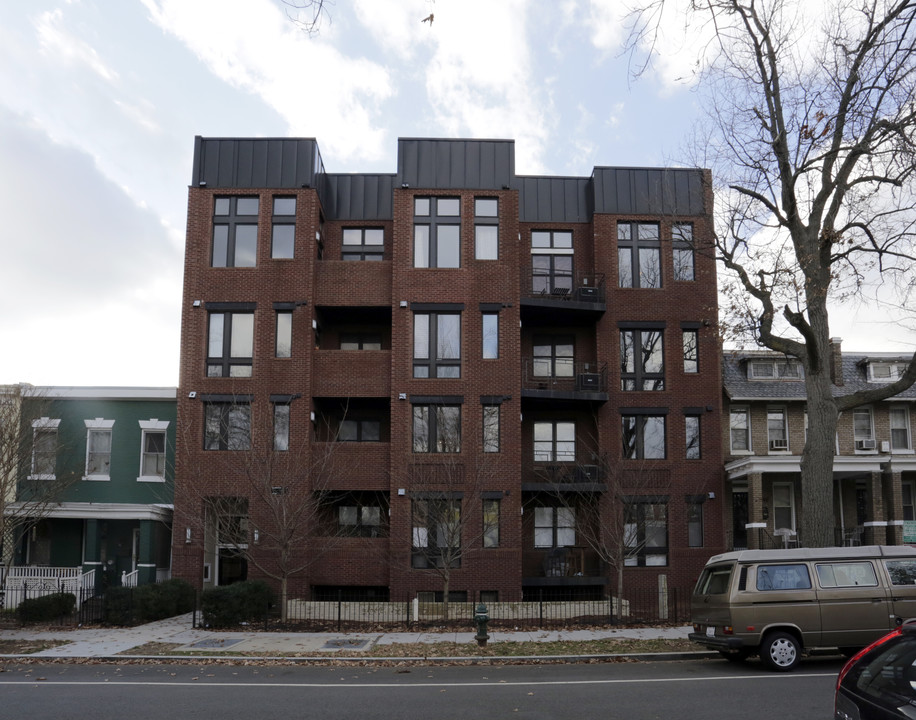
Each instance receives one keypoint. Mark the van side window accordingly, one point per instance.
(742, 579)
(783, 577)
(714, 581)
(902, 572)
(854, 574)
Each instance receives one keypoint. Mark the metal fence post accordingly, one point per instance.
(339, 599)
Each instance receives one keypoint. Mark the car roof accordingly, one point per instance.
(831, 553)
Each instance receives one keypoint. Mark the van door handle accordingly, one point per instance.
(877, 600)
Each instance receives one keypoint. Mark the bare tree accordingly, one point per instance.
(810, 134)
(274, 495)
(33, 478)
(308, 14)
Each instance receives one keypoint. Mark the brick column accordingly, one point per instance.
(876, 520)
(893, 503)
(755, 510)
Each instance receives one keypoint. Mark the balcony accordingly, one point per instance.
(549, 298)
(564, 477)
(582, 381)
(561, 566)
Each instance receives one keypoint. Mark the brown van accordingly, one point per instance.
(782, 603)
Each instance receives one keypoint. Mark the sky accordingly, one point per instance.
(100, 102)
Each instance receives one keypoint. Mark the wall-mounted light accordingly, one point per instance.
(318, 236)
(196, 303)
(187, 535)
(192, 394)
(312, 416)
(257, 536)
(202, 183)
(314, 324)
(712, 495)
(405, 185)
(403, 303)
(402, 396)
(401, 491)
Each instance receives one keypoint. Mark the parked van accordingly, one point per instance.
(783, 603)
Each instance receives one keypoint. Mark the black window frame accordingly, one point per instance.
(690, 345)
(361, 528)
(637, 377)
(434, 221)
(424, 514)
(693, 442)
(490, 441)
(433, 364)
(362, 251)
(282, 220)
(361, 427)
(226, 362)
(637, 449)
(633, 245)
(636, 553)
(433, 443)
(221, 411)
(360, 339)
(554, 455)
(232, 220)
(490, 509)
(546, 277)
(682, 246)
(540, 344)
(485, 221)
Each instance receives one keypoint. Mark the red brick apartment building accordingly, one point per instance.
(450, 378)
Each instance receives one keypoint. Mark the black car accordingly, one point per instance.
(880, 681)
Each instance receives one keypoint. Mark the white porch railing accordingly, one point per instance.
(28, 581)
(163, 574)
(129, 579)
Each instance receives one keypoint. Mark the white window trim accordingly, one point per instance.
(97, 424)
(871, 437)
(908, 450)
(154, 425)
(791, 487)
(785, 428)
(882, 380)
(42, 423)
(750, 436)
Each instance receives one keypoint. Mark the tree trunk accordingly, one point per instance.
(284, 612)
(445, 584)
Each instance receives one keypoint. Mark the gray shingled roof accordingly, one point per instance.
(738, 387)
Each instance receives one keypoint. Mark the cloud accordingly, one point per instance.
(58, 43)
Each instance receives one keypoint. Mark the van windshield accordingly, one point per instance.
(714, 580)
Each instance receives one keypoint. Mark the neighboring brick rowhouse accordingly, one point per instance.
(387, 354)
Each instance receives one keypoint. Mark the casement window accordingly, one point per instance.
(437, 345)
(682, 251)
(692, 437)
(777, 430)
(554, 527)
(690, 343)
(490, 428)
(360, 341)
(554, 441)
(552, 262)
(152, 450)
(783, 506)
(436, 536)
(281, 412)
(642, 360)
(283, 343)
(44, 448)
(359, 520)
(437, 428)
(554, 356)
(643, 437)
(863, 430)
(98, 448)
(283, 228)
(646, 532)
(490, 335)
(899, 418)
(486, 229)
(235, 232)
(437, 232)
(363, 244)
(695, 522)
(638, 255)
(490, 521)
(739, 422)
(354, 430)
(774, 370)
(230, 344)
(227, 425)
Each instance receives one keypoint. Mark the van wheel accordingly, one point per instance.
(780, 651)
(736, 656)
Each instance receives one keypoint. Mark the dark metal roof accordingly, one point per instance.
(449, 164)
(738, 387)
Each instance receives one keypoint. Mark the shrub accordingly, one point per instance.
(163, 600)
(47, 607)
(234, 604)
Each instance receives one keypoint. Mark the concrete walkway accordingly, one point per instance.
(109, 642)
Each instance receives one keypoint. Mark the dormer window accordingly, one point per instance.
(774, 370)
(885, 372)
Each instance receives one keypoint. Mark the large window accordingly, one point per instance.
(863, 429)
(283, 230)
(437, 428)
(900, 428)
(227, 426)
(98, 448)
(437, 345)
(783, 506)
(642, 360)
(638, 255)
(552, 262)
(355, 430)
(553, 356)
(643, 437)
(682, 251)
(436, 537)
(360, 341)
(777, 431)
(555, 441)
(695, 522)
(230, 345)
(554, 527)
(363, 244)
(44, 448)
(739, 421)
(360, 518)
(235, 232)
(437, 232)
(646, 532)
(152, 449)
(486, 229)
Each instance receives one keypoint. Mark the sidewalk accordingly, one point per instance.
(116, 643)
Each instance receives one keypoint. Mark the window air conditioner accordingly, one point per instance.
(587, 473)
(588, 381)
(586, 293)
(885, 446)
(779, 445)
(865, 444)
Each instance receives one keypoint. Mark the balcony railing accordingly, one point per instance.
(583, 287)
(568, 377)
